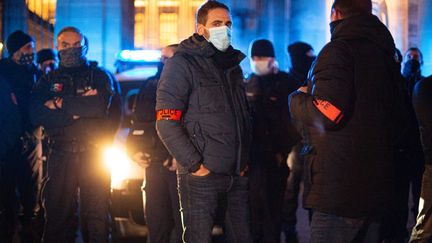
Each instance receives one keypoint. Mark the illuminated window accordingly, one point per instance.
(163, 22)
(168, 28)
(41, 22)
(44, 9)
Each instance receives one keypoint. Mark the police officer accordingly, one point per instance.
(302, 56)
(22, 161)
(267, 91)
(162, 208)
(73, 104)
(47, 60)
(10, 131)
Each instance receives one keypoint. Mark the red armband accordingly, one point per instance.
(329, 110)
(168, 114)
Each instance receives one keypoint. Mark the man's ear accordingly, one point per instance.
(200, 29)
(86, 44)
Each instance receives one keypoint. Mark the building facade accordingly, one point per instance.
(114, 25)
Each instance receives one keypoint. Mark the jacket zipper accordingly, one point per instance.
(236, 112)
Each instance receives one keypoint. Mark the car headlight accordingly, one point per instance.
(119, 165)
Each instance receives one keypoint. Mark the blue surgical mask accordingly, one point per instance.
(220, 37)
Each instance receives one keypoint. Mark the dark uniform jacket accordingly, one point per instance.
(94, 125)
(422, 100)
(353, 115)
(206, 87)
(268, 101)
(21, 79)
(10, 119)
(143, 136)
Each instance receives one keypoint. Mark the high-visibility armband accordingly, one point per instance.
(168, 114)
(329, 110)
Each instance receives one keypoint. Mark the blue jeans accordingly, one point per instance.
(327, 228)
(202, 197)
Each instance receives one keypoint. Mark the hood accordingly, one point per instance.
(197, 45)
(366, 26)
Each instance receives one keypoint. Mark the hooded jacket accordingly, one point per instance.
(352, 116)
(205, 87)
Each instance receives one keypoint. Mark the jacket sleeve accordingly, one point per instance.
(331, 96)
(422, 101)
(10, 120)
(173, 94)
(40, 115)
(95, 106)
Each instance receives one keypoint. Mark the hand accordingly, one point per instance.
(50, 105)
(142, 159)
(58, 102)
(172, 166)
(90, 92)
(202, 171)
(244, 171)
(281, 158)
(303, 89)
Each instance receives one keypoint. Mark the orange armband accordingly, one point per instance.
(329, 110)
(168, 114)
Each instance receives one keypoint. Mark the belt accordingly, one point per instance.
(70, 146)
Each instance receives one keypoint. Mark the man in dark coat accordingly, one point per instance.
(352, 112)
(24, 161)
(162, 207)
(10, 132)
(267, 91)
(422, 100)
(302, 56)
(203, 120)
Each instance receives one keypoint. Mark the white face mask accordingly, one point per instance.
(220, 37)
(261, 67)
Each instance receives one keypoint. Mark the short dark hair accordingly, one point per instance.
(417, 50)
(70, 29)
(351, 8)
(202, 12)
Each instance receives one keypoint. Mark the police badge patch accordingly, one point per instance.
(57, 87)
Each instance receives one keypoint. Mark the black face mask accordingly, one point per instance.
(411, 68)
(26, 59)
(302, 65)
(73, 57)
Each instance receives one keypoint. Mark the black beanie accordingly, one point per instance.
(44, 55)
(262, 48)
(16, 40)
(298, 49)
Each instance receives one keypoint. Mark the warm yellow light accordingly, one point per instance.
(119, 165)
(1, 46)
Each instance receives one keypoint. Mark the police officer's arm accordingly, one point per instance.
(94, 106)
(332, 95)
(10, 119)
(422, 101)
(41, 115)
(171, 102)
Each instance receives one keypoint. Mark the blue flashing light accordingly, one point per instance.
(139, 55)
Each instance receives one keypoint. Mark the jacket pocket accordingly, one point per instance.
(196, 135)
(211, 95)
